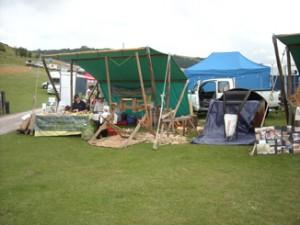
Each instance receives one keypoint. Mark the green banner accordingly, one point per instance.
(54, 125)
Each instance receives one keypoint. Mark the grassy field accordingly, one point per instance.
(19, 84)
(63, 180)
(19, 81)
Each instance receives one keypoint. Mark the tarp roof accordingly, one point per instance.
(220, 63)
(122, 64)
(292, 41)
(249, 74)
(124, 73)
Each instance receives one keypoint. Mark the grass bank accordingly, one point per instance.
(19, 84)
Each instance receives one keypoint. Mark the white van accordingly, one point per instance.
(55, 75)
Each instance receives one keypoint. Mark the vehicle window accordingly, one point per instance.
(223, 86)
(56, 80)
(209, 87)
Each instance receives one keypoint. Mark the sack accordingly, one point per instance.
(87, 132)
(230, 122)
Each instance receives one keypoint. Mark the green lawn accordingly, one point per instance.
(63, 180)
(19, 84)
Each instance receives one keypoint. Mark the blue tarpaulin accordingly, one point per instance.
(247, 73)
(214, 133)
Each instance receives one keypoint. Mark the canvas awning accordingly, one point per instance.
(292, 41)
(123, 72)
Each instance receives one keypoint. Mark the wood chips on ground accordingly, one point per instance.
(117, 141)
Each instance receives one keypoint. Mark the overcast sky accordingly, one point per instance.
(183, 27)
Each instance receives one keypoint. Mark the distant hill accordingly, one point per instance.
(10, 55)
(186, 61)
(65, 50)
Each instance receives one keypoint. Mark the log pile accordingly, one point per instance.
(27, 124)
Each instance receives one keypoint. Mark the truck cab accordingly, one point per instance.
(203, 92)
(207, 90)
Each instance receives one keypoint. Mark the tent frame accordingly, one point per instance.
(289, 114)
(146, 120)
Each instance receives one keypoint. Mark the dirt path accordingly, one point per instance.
(11, 122)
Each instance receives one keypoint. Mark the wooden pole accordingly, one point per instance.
(289, 84)
(71, 82)
(173, 115)
(152, 77)
(289, 67)
(180, 98)
(92, 91)
(101, 128)
(136, 129)
(108, 80)
(168, 84)
(283, 94)
(141, 82)
(156, 140)
(50, 79)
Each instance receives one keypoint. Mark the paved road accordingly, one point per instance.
(12, 122)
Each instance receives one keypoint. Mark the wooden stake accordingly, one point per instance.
(261, 124)
(51, 81)
(156, 140)
(168, 91)
(289, 67)
(141, 82)
(114, 127)
(283, 94)
(171, 125)
(136, 129)
(181, 97)
(191, 107)
(289, 84)
(71, 83)
(152, 77)
(108, 80)
(101, 128)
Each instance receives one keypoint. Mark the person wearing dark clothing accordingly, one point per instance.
(78, 104)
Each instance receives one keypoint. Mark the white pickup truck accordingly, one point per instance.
(206, 90)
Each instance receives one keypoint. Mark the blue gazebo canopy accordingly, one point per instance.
(247, 73)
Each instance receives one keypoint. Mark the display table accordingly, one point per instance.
(60, 124)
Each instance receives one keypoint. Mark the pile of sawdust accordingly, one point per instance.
(164, 138)
(117, 141)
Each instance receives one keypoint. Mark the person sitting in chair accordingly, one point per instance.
(78, 105)
(99, 105)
